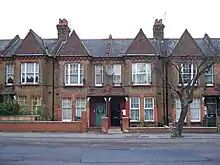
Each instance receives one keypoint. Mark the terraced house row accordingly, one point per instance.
(108, 77)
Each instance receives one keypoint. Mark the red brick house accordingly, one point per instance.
(104, 77)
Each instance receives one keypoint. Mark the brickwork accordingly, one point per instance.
(41, 126)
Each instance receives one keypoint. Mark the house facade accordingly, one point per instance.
(107, 77)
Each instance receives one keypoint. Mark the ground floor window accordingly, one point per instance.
(149, 109)
(80, 106)
(178, 110)
(36, 105)
(195, 110)
(66, 109)
(135, 109)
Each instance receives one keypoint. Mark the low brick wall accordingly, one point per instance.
(200, 129)
(40, 126)
(148, 130)
(166, 129)
(18, 118)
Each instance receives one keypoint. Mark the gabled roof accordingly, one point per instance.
(74, 46)
(12, 46)
(32, 44)
(186, 46)
(140, 45)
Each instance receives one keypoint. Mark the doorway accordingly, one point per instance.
(115, 112)
(211, 103)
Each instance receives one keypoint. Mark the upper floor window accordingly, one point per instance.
(188, 71)
(9, 75)
(141, 73)
(29, 73)
(98, 75)
(74, 74)
(209, 76)
(117, 74)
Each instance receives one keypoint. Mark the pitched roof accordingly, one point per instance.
(32, 44)
(187, 45)
(140, 45)
(74, 46)
(12, 46)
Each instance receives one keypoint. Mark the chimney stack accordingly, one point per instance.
(158, 30)
(63, 29)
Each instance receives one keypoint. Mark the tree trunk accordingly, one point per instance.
(179, 127)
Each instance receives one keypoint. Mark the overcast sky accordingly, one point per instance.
(99, 18)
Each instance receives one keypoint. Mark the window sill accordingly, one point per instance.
(141, 85)
(29, 84)
(72, 85)
(134, 121)
(117, 85)
(195, 121)
(209, 85)
(98, 85)
(151, 121)
(9, 84)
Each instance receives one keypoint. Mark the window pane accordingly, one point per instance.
(67, 109)
(9, 73)
(80, 106)
(98, 74)
(135, 102)
(135, 114)
(195, 110)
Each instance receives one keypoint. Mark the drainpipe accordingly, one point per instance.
(166, 95)
(53, 88)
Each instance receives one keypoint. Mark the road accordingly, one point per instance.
(66, 150)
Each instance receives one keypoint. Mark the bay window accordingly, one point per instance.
(74, 74)
(141, 73)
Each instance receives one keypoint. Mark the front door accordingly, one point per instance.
(100, 111)
(115, 112)
(211, 103)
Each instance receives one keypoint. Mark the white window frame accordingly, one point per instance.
(99, 84)
(192, 67)
(36, 72)
(68, 74)
(117, 73)
(65, 102)
(148, 108)
(178, 109)
(147, 72)
(139, 102)
(9, 72)
(195, 101)
(210, 73)
(80, 106)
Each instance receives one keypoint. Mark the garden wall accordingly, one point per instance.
(40, 126)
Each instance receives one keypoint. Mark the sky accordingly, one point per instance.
(99, 18)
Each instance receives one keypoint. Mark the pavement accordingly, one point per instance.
(19, 148)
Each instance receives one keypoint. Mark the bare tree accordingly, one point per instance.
(187, 84)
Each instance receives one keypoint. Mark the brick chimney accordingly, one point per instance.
(158, 30)
(63, 29)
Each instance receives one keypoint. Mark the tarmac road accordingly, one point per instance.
(53, 149)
